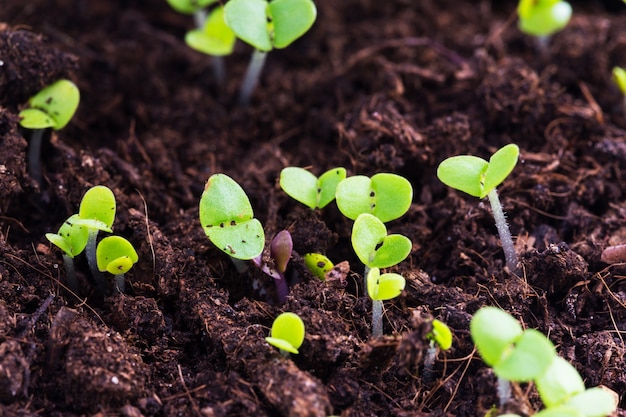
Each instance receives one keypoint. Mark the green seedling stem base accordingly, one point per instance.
(377, 318)
(251, 79)
(34, 155)
(503, 231)
(90, 253)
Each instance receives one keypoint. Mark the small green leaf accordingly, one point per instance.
(299, 184)
(386, 196)
(215, 38)
(248, 20)
(318, 264)
(374, 247)
(327, 185)
(189, 6)
(59, 101)
(35, 119)
(71, 237)
(594, 402)
(529, 357)
(464, 173)
(543, 17)
(287, 332)
(501, 164)
(560, 382)
(98, 203)
(441, 334)
(384, 287)
(115, 255)
(619, 78)
(291, 19)
(493, 331)
(227, 218)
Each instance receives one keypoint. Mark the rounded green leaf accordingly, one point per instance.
(291, 19)
(493, 332)
(594, 402)
(318, 264)
(374, 247)
(59, 101)
(248, 19)
(619, 78)
(327, 185)
(189, 6)
(384, 287)
(544, 18)
(115, 255)
(529, 357)
(71, 237)
(393, 250)
(386, 196)
(300, 184)
(464, 173)
(560, 382)
(441, 334)
(287, 332)
(500, 166)
(227, 218)
(215, 38)
(98, 203)
(35, 119)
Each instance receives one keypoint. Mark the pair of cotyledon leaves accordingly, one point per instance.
(287, 332)
(543, 17)
(52, 107)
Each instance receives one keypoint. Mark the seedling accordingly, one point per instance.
(287, 333)
(374, 247)
(96, 213)
(386, 196)
(52, 107)
(440, 336)
(306, 188)
(71, 239)
(116, 255)
(266, 26)
(479, 178)
(280, 254)
(619, 78)
(514, 354)
(543, 18)
(380, 288)
(318, 264)
(227, 219)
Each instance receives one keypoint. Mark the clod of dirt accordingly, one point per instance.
(14, 371)
(556, 269)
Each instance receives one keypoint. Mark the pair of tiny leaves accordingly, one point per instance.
(115, 255)
(53, 106)
(228, 220)
(543, 17)
(214, 37)
(440, 334)
(287, 332)
(374, 247)
(384, 287)
(269, 25)
(474, 175)
(306, 188)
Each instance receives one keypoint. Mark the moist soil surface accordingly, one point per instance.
(375, 86)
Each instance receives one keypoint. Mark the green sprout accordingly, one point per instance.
(52, 107)
(386, 196)
(440, 336)
(374, 247)
(381, 288)
(619, 78)
(306, 188)
(318, 264)
(227, 219)
(266, 26)
(116, 255)
(71, 239)
(514, 354)
(287, 333)
(543, 18)
(479, 178)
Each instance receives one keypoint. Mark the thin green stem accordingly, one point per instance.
(34, 155)
(503, 231)
(251, 79)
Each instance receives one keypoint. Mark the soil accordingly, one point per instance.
(375, 86)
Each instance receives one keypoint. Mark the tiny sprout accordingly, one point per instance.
(267, 25)
(306, 188)
(479, 178)
(281, 248)
(52, 107)
(380, 288)
(287, 333)
(116, 255)
(214, 37)
(386, 196)
(619, 78)
(227, 219)
(441, 336)
(71, 239)
(374, 247)
(318, 264)
(543, 18)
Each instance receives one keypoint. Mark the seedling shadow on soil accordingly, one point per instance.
(373, 87)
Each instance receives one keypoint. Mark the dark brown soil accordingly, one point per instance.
(375, 86)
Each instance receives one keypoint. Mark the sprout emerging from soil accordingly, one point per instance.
(619, 78)
(116, 255)
(280, 254)
(52, 107)
(380, 288)
(306, 188)
(543, 18)
(440, 336)
(479, 178)
(267, 25)
(318, 264)
(71, 239)
(287, 333)
(386, 196)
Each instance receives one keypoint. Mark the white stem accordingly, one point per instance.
(199, 17)
(503, 231)
(90, 253)
(377, 318)
(120, 284)
(34, 155)
(429, 363)
(251, 78)
(504, 391)
(70, 274)
(219, 70)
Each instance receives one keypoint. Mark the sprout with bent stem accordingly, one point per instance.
(479, 178)
(116, 255)
(287, 333)
(440, 336)
(52, 107)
